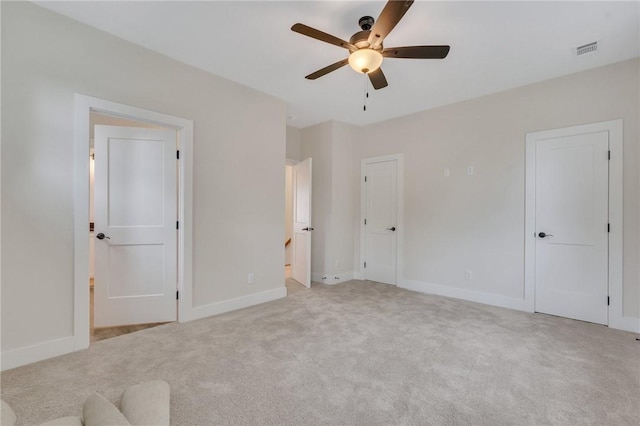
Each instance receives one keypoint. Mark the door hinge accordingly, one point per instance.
(365, 264)
(178, 154)
(365, 178)
(608, 227)
(365, 221)
(608, 300)
(177, 294)
(177, 224)
(609, 155)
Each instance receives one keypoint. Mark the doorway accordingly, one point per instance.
(381, 217)
(290, 283)
(573, 253)
(298, 229)
(183, 130)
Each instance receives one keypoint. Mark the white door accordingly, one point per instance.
(572, 226)
(301, 252)
(135, 226)
(380, 221)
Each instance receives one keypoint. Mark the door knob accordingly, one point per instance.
(101, 236)
(393, 228)
(542, 235)
(307, 229)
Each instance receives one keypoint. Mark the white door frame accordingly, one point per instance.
(290, 162)
(84, 105)
(615, 130)
(399, 158)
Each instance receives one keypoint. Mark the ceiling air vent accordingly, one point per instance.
(587, 48)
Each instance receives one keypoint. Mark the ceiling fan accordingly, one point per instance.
(366, 51)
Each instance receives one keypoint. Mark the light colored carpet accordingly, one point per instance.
(357, 353)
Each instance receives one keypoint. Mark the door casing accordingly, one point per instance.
(399, 159)
(615, 130)
(84, 105)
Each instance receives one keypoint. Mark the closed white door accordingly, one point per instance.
(135, 226)
(301, 252)
(380, 221)
(572, 226)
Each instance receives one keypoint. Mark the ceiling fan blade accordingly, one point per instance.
(378, 80)
(417, 52)
(389, 17)
(322, 36)
(327, 69)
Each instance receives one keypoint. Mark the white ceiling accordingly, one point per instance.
(494, 46)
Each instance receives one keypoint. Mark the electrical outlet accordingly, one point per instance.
(470, 170)
(250, 278)
(468, 275)
(447, 172)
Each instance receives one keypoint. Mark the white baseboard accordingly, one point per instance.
(13, 358)
(204, 311)
(331, 278)
(465, 294)
(358, 275)
(625, 323)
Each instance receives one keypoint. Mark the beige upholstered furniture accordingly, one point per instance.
(142, 404)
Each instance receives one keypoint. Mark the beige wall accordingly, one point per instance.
(477, 222)
(345, 211)
(239, 134)
(294, 143)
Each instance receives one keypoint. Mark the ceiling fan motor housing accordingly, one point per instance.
(361, 40)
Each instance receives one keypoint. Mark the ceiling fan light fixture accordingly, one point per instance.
(365, 60)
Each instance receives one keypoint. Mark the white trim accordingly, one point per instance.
(13, 358)
(83, 107)
(217, 308)
(465, 294)
(399, 158)
(332, 279)
(616, 286)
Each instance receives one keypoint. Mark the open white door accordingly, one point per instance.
(571, 272)
(301, 253)
(380, 220)
(135, 224)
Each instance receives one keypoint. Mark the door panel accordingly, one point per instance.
(146, 279)
(301, 262)
(137, 195)
(135, 208)
(381, 217)
(572, 209)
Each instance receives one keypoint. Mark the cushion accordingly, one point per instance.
(64, 421)
(146, 403)
(7, 416)
(98, 411)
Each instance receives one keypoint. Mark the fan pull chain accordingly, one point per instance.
(366, 91)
